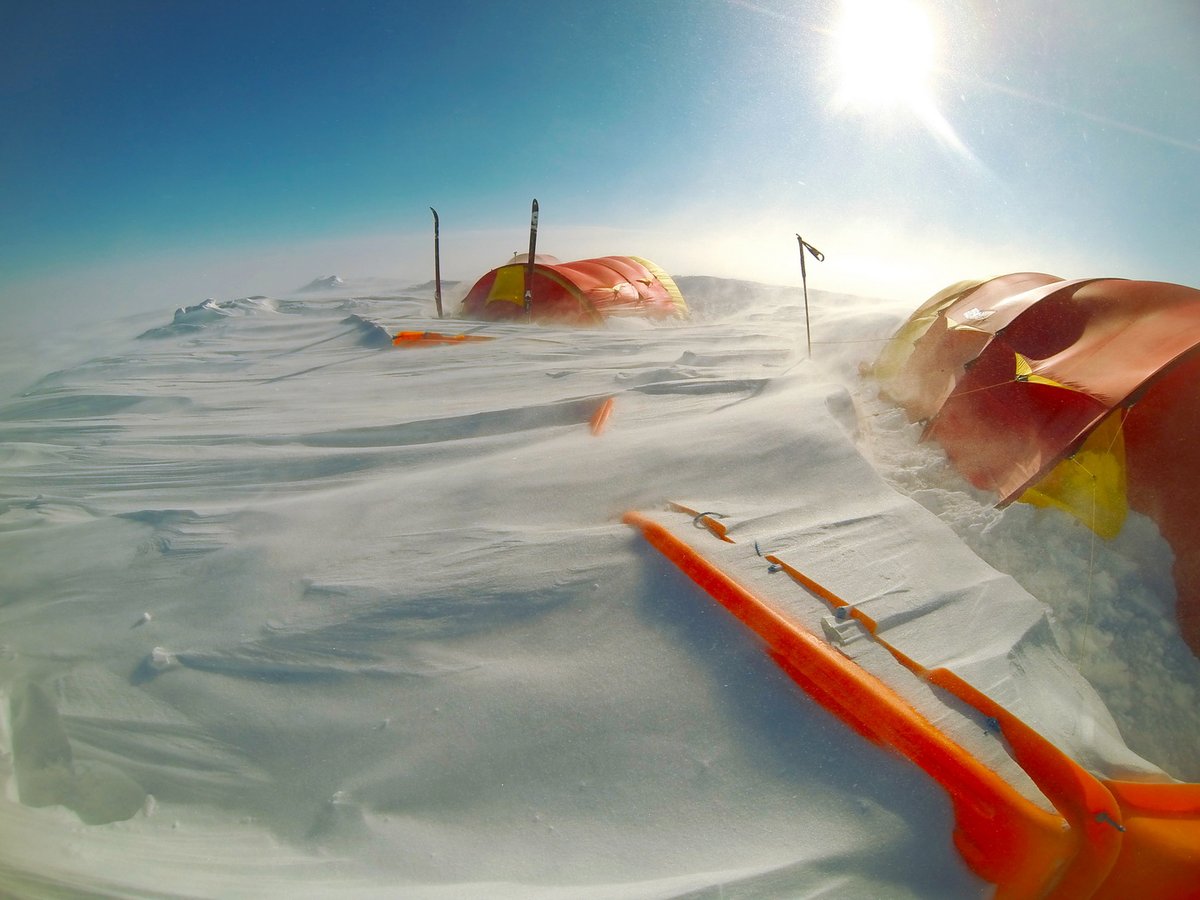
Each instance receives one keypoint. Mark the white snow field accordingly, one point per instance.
(288, 612)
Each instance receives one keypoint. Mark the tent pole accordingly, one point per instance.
(819, 257)
(533, 225)
(437, 264)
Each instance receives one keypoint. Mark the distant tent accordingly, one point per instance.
(1083, 395)
(576, 293)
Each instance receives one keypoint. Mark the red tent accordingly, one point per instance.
(576, 293)
(1084, 395)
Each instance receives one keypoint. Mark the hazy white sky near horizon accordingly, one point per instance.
(161, 153)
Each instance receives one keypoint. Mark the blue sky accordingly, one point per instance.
(247, 147)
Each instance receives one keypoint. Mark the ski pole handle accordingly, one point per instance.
(805, 245)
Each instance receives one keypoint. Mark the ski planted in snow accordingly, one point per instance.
(437, 264)
(533, 225)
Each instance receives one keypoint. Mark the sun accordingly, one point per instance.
(885, 59)
(884, 53)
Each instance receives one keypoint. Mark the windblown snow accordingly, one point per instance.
(290, 612)
(327, 283)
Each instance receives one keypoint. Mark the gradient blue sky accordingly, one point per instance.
(182, 149)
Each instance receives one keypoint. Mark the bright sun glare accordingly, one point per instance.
(885, 54)
(884, 51)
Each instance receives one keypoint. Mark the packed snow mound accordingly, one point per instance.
(202, 315)
(327, 283)
(369, 333)
(432, 285)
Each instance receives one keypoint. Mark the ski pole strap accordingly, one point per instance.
(805, 245)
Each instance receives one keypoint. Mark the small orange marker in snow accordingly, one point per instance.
(600, 416)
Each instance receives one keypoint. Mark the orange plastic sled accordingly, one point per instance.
(1108, 839)
(426, 338)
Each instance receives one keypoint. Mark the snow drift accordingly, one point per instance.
(288, 612)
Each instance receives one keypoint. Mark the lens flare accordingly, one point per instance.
(884, 60)
(883, 53)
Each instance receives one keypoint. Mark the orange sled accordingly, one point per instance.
(1103, 839)
(425, 338)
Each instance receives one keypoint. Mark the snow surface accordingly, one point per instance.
(289, 612)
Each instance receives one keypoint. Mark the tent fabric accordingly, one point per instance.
(1081, 394)
(584, 292)
(961, 326)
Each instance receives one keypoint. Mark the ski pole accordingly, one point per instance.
(819, 257)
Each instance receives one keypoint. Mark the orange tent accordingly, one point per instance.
(1084, 395)
(576, 293)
